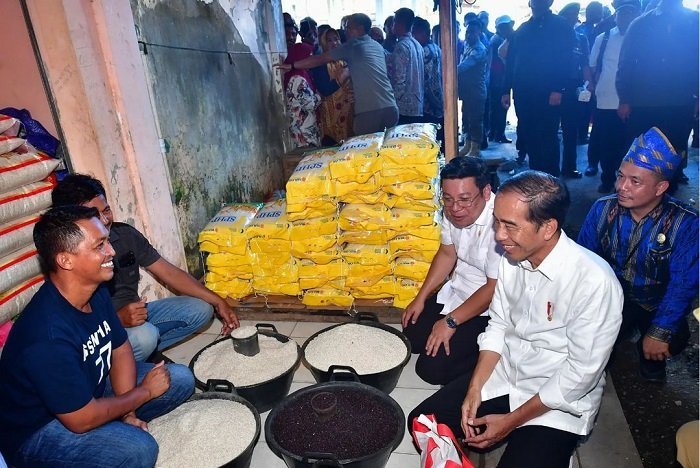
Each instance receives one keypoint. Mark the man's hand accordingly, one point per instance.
(157, 380)
(554, 98)
(285, 67)
(655, 350)
(505, 101)
(440, 335)
(623, 111)
(470, 405)
(412, 311)
(130, 418)
(133, 315)
(228, 317)
(498, 426)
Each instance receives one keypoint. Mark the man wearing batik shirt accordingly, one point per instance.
(432, 56)
(406, 69)
(651, 241)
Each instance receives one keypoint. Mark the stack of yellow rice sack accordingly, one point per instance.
(410, 168)
(312, 210)
(275, 271)
(229, 268)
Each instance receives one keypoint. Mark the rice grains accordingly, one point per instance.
(203, 433)
(220, 361)
(366, 349)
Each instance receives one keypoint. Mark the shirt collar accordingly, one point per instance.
(486, 215)
(554, 261)
(654, 214)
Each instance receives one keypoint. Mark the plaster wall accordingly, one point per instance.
(217, 99)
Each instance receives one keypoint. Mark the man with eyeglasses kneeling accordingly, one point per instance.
(443, 326)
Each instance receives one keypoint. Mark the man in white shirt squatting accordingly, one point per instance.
(443, 327)
(555, 315)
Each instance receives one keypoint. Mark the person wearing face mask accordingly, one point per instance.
(443, 327)
(651, 241)
(554, 316)
(333, 82)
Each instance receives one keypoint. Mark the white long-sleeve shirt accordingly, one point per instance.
(562, 359)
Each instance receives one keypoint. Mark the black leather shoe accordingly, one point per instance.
(572, 175)
(591, 171)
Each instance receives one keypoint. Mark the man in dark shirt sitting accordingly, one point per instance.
(70, 391)
(539, 64)
(157, 324)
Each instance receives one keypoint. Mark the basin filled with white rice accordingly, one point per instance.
(210, 429)
(263, 379)
(376, 352)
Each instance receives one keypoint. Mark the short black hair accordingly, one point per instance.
(405, 16)
(306, 25)
(362, 20)
(77, 189)
(475, 24)
(462, 167)
(422, 25)
(546, 196)
(57, 231)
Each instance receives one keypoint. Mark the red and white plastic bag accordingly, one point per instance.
(438, 445)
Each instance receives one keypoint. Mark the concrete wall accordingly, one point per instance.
(223, 122)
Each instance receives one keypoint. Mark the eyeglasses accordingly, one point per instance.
(460, 202)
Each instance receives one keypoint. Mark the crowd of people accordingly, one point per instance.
(608, 76)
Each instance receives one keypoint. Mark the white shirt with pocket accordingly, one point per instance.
(554, 327)
(605, 91)
(478, 257)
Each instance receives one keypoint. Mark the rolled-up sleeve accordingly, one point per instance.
(591, 333)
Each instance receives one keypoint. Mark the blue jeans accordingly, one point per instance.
(170, 321)
(115, 444)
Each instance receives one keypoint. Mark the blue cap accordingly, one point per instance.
(654, 152)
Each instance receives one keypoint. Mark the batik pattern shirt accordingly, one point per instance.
(432, 57)
(655, 259)
(302, 102)
(406, 73)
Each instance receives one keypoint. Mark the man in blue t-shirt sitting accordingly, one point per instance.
(70, 391)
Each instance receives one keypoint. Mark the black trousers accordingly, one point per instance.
(464, 350)
(608, 144)
(571, 112)
(498, 115)
(538, 123)
(528, 446)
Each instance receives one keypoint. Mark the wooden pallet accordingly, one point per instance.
(290, 308)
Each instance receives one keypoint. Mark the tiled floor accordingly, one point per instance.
(610, 444)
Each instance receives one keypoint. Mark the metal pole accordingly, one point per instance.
(448, 42)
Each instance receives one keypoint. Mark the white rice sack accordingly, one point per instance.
(17, 233)
(10, 142)
(25, 200)
(14, 301)
(18, 169)
(203, 433)
(19, 266)
(9, 125)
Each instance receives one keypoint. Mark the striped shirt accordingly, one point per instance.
(655, 259)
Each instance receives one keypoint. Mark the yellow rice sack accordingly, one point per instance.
(217, 274)
(227, 260)
(404, 242)
(378, 237)
(259, 245)
(365, 275)
(384, 288)
(270, 222)
(320, 282)
(420, 255)
(414, 189)
(410, 144)
(313, 227)
(273, 286)
(234, 289)
(357, 158)
(332, 270)
(405, 220)
(367, 254)
(320, 258)
(316, 209)
(407, 267)
(327, 297)
(287, 272)
(394, 174)
(312, 177)
(408, 203)
(363, 217)
(406, 290)
(366, 198)
(301, 248)
(369, 186)
(226, 230)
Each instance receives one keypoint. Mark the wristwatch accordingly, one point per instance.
(450, 321)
